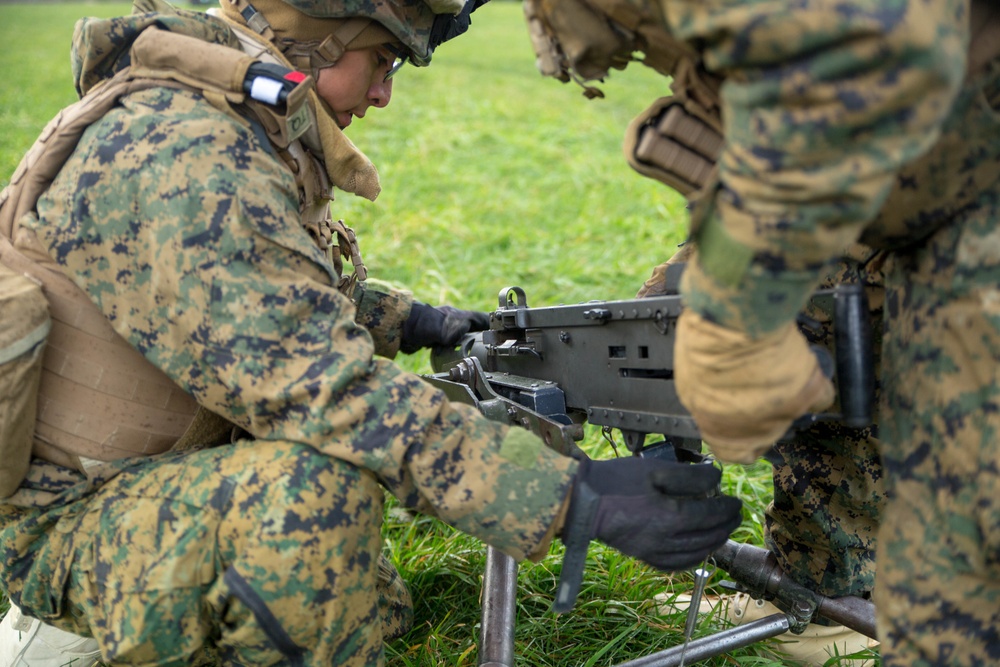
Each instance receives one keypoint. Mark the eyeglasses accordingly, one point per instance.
(398, 60)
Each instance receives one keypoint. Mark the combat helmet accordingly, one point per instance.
(315, 33)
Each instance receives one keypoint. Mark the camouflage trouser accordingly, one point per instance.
(938, 591)
(828, 482)
(258, 553)
(823, 521)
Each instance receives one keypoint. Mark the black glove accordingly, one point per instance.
(666, 514)
(450, 26)
(443, 326)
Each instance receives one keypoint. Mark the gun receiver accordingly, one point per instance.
(611, 363)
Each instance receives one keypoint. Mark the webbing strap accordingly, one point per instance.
(255, 20)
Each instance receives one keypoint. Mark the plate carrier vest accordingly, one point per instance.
(99, 399)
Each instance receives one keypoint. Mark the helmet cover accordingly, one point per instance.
(413, 22)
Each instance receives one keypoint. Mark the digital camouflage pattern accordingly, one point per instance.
(938, 562)
(185, 231)
(395, 606)
(269, 550)
(108, 40)
(860, 120)
(823, 522)
(938, 589)
(868, 82)
(829, 484)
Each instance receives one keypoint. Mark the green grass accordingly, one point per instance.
(492, 176)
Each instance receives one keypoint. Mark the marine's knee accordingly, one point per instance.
(301, 481)
(300, 551)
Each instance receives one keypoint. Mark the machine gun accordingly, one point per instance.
(609, 363)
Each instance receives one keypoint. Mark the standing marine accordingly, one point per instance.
(820, 141)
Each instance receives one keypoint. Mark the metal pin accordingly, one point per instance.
(701, 576)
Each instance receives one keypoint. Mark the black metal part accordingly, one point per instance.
(629, 384)
(757, 572)
(466, 382)
(753, 567)
(576, 536)
(855, 354)
(539, 395)
(627, 381)
(855, 613)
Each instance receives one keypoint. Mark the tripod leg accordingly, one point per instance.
(717, 644)
(496, 642)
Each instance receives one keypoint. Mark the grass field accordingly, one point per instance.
(492, 176)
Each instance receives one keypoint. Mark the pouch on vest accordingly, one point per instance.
(24, 326)
(677, 140)
(674, 145)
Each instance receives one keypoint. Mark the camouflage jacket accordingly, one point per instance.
(183, 227)
(840, 124)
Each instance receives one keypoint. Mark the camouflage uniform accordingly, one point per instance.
(183, 227)
(878, 122)
(826, 143)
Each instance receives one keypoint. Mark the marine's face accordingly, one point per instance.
(357, 81)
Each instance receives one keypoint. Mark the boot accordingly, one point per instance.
(813, 648)
(27, 642)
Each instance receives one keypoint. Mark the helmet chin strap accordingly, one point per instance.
(305, 56)
(314, 56)
(254, 19)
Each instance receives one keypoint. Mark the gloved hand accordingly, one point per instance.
(665, 279)
(663, 513)
(442, 326)
(745, 393)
